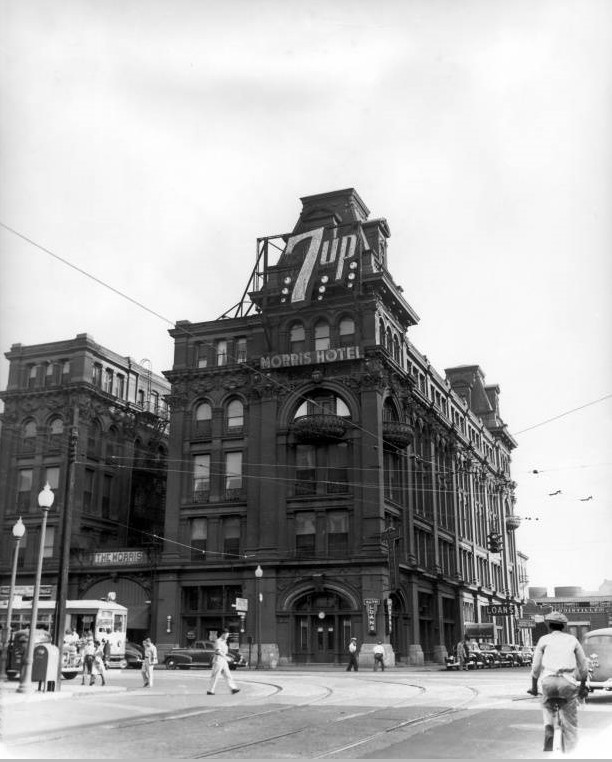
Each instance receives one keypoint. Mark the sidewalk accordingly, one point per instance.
(8, 691)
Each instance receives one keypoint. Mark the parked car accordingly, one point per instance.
(597, 646)
(509, 654)
(492, 653)
(200, 655)
(134, 655)
(475, 659)
(526, 654)
(488, 658)
(71, 659)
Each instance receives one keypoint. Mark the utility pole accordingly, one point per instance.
(62, 580)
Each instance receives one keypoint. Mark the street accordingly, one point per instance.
(402, 713)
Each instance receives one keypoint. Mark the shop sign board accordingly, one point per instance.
(500, 609)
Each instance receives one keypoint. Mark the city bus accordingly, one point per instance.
(102, 618)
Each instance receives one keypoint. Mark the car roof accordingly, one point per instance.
(605, 631)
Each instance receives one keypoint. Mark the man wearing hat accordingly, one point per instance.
(559, 660)
(352, 649)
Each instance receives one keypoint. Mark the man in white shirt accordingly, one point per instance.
(379, 656)
(148, 663)
(352, 649)
(220, 665)
(560, 663)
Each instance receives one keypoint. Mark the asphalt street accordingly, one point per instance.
(403, 713)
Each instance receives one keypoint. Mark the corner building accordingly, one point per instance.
(316, 442)
(76, 407)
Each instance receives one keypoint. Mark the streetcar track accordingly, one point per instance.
(326, 693)
(297, 731)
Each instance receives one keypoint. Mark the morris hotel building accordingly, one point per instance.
(312, 441)
(76, 403)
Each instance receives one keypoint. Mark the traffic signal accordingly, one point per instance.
(494, 542)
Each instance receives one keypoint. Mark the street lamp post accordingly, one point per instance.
(45, 501)
(18, 532)
(258, 601)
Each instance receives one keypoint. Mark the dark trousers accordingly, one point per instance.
(353, 663)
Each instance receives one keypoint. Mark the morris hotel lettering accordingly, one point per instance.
(310, 358)
(119, 558)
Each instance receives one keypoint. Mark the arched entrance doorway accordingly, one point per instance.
(323, 623)
(131, 594)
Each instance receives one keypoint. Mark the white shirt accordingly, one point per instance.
(558, 653)
(379, 649)
(221, 647)
(150, 653)
(352, 646)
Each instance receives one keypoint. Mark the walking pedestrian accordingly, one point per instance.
(557, 660)
(463, 653)
(88, 651)
(98, 664)
(220, 665)
(148, 662)
(379, 656)
(352, 651)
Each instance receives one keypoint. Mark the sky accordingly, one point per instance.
(149, 143)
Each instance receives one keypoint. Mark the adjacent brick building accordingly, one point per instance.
(76, 401)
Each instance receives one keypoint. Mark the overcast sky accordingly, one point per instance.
(150, 143)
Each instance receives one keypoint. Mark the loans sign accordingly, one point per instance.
(500, 609)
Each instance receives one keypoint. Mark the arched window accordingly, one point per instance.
(56, 433)
(346, 331)
(321, 334)
(323, 402)
(94, 436)
(234, 419)
(203, 419)
(297, 338)
(112, 446)
(396, 349)
(381, 333)
(28, 437)
(389, 341)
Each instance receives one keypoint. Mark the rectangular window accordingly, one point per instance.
(52, 477)
(199, 535)
(88, 488)
(337, 533)
(96, 374)
(107, 487)
(231, 538)
(337, 472)
(24, 490)
(108, 381)
(32, 376)
(233, 474)
(201, 355)
(120, 386)
(305, 533)
(49, 542)
(221, 352)
(201, 478)
(305, 470)
(241, 349)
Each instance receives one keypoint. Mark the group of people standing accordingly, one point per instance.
(96, 655)
(378, 651)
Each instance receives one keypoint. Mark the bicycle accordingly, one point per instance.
(556, 742)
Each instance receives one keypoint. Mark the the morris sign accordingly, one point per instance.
(119, 558)
(310, 358)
